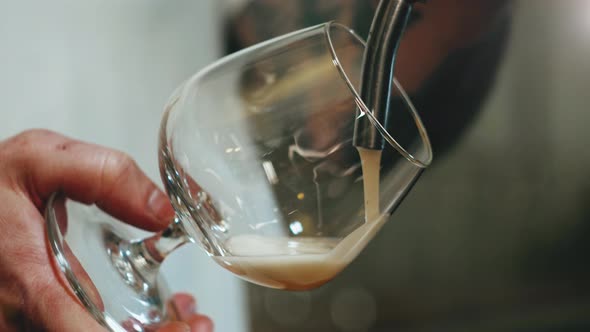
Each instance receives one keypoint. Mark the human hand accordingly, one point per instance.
(182, 316)
(182, 307)
(33, 165)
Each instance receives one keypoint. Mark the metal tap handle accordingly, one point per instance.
(385, 34)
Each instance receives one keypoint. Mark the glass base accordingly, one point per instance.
(95, 254)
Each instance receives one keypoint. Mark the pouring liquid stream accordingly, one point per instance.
(300, 263)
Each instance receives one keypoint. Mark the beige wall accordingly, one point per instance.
(101, 71)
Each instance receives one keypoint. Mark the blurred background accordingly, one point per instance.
(495, 235)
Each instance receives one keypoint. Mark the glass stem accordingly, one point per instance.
(139, 261)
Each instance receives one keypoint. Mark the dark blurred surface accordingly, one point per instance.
(496, 234)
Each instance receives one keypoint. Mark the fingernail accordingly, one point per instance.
(184, 305)
(184, 328)
(160, 206)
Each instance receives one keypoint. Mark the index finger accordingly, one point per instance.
(91, 174)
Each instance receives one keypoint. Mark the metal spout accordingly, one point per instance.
(386, 31)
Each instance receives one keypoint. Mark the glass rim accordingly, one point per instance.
(336, 62)
(365, 110)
